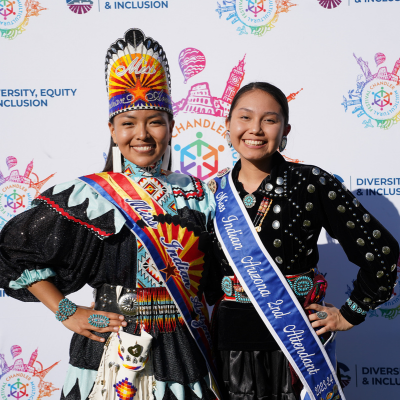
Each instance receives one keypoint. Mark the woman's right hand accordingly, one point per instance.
(50, 296)
(78, 323)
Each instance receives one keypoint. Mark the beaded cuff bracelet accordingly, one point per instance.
(355, 307)
(66, 308)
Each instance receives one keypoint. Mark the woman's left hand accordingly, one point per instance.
(333, 322)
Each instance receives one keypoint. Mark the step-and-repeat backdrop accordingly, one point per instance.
(338, 63)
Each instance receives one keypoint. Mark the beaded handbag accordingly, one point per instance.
(125, 369)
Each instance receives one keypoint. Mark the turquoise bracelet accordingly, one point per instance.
(66, 308)
(354, 306)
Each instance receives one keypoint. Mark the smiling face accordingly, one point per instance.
(142, 135)
(257, 126)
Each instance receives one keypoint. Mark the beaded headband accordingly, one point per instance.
(137, 75)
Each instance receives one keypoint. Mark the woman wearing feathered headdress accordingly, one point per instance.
(136, 236)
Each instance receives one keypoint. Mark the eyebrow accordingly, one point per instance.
(266, 113)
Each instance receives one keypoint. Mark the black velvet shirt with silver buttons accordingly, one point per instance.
(306, 199)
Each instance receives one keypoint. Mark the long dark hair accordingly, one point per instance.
(266, 87)
(109, 163)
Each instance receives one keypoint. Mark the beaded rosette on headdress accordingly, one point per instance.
(137, 75)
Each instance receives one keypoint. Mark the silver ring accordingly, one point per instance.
(322, 314)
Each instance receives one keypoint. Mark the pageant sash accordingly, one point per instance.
(272, 296)
(173, 249)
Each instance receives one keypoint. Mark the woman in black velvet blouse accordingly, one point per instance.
(305, 199)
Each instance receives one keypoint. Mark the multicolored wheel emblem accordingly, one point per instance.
(18, 390)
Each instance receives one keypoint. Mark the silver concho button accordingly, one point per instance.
(376, 234)
(309, 206)
(379, 274)
(307, 223)
(332, 195)
(279, 190)
(366, 217)
(385, 250)
(277, 209)
(370, 257)
(268, 187)
(350, 224)
(360, 242)
(367, 300)
(310, 188)
(279, 260)
(279, 180)
(127, 304)
(322, 180)
(356, 202)
(276, 224)
(277, 243)
(383, 289)
(393, 267)
(316, 171)
(309, 252)
(341, 209)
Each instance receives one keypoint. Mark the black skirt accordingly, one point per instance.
(250, 364)
(255, 375)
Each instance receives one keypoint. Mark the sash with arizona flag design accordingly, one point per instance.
(272, 296)
(173, 248)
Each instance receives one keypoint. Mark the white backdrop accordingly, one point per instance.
(53, 106)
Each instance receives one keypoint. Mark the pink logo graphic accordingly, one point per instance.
(17, 191)
(329, 3)
(192, 62)
(80, 6)
(200, 101)
(16, 351)
(22, 380)
(379, 58)
(11, 162)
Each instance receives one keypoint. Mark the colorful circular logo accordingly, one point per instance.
(12, 13)
(257, 17)
(80, 6)
(15, 198)
(381, 99)
(19, 385)
(256, 13)
(24, 379)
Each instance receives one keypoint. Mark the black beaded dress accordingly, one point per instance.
(72, 236)
(251, 365)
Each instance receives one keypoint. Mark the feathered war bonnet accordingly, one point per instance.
(137, 75)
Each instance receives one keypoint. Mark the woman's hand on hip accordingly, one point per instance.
(334, 320)
(79, 323)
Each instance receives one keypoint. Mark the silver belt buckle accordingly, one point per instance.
(128, 305)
